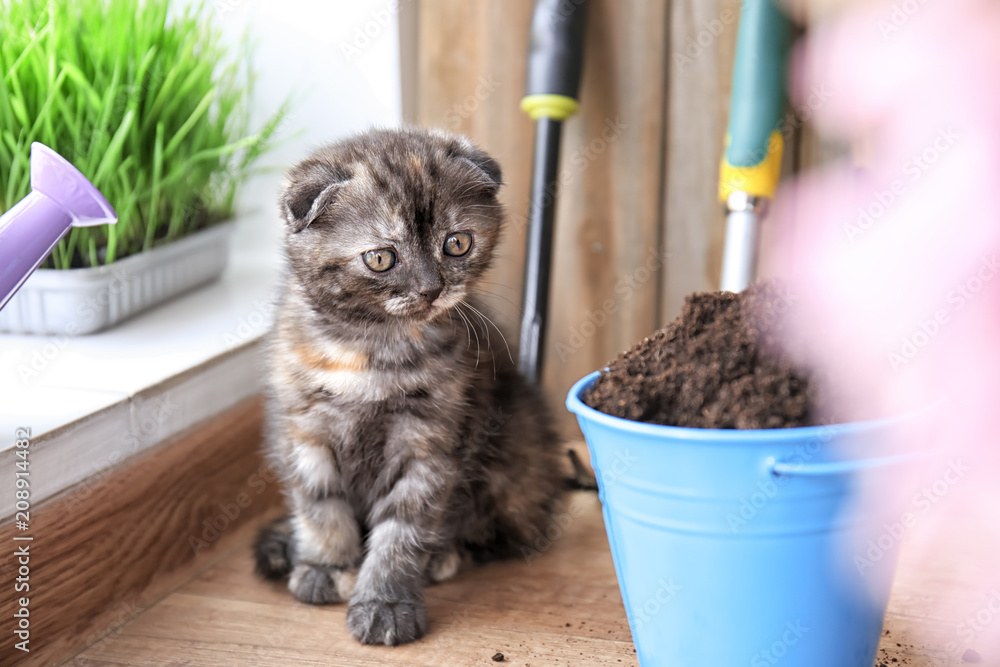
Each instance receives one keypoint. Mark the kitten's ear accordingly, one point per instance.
(303, 201)
(480, 159)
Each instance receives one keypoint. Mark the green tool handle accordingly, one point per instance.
(758, 100)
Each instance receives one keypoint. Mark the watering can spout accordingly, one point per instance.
(60, 198)
(57, 179)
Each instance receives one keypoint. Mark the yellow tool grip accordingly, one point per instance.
(556, 107)
(759, 180)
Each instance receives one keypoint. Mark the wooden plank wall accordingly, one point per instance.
(701, 51)
(638, 225)
(111, 546)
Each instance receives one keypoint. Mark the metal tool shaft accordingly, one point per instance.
(739, 259)
(538, 259)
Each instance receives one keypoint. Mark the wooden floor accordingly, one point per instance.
(564, 608)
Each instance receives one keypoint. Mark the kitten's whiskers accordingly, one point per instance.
(475, 184)
(502, 337)
(475, 332)
(468, 334)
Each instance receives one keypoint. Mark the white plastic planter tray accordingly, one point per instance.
(82, 301)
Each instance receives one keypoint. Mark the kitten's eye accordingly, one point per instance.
(458, 244)
(380, 260)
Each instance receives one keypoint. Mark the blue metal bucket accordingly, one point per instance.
(746, 547)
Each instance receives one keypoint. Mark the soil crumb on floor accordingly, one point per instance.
(716, 366)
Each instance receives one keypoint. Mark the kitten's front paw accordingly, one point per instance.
(387, 622)
(321, 584)
(444, 566)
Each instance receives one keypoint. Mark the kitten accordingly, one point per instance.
(407, 441)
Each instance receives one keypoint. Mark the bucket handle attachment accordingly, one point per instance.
(839, 467)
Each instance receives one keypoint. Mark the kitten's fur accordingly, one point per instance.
(406, 439)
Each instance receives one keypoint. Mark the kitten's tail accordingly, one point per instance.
(582, 479)
(272, 550)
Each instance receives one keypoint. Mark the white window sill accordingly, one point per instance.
(93, 401)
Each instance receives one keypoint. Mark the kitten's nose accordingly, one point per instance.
(430, 294)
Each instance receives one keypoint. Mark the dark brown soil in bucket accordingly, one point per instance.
(714, 367)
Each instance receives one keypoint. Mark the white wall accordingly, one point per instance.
(339, 60)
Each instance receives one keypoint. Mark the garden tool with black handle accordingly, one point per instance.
(751, 163)
(555, 60)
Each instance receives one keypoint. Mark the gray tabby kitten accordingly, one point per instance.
(407, 441)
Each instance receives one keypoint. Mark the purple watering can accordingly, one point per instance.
(60, 198)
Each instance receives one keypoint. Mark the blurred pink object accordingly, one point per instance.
(898, 263)
(900, 260)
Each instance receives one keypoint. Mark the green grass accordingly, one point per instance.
(147, 103)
